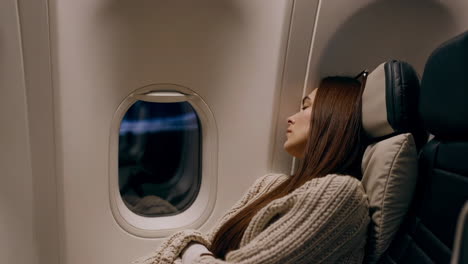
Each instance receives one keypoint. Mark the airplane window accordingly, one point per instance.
(159, 161)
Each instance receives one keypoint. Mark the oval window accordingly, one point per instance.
(162, 161)
(159, 158)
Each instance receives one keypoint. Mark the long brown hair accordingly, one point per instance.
(335, 145)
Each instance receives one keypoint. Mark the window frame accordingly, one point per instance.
(203, 205)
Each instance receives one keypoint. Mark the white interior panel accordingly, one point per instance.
(230, 52)
(17, 243)
(36, 58)
(355, 35)
(247, 59)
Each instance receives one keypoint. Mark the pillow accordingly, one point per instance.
(389, 177)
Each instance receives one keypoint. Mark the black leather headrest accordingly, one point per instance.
(444, 90)
(390, 100)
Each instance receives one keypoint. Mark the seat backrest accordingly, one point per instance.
(428, 232)
(389, 166)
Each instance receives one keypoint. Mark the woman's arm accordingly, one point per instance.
(172, 247)
(320, 223)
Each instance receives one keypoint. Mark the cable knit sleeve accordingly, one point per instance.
(169, 251)
(261, 186)
(323, 221)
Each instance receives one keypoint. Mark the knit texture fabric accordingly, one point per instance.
(148, 205)
(323, 221)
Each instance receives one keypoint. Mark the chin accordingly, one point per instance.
(290, 150)
(294, 150)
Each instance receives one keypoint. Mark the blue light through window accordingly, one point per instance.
(159, 158)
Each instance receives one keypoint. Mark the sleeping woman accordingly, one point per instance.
(318, 215)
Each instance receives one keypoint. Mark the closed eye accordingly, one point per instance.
(306, 102)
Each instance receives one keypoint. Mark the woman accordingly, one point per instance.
(318, 215)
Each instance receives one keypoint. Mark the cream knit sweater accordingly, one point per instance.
(323, 221)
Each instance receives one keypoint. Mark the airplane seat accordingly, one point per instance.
(427, 234)
(391, 121)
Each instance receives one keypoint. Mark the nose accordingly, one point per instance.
(291, 121)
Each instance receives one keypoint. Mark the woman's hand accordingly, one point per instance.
(193, 251)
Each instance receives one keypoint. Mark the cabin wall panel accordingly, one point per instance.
(356, 35)
(230, 52)
(36, 57)
(17, 243)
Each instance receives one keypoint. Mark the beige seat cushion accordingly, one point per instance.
(389, 177)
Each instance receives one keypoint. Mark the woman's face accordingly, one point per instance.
(298, 128)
